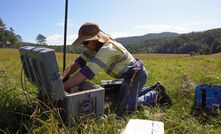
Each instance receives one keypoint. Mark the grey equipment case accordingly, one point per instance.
(41, 69)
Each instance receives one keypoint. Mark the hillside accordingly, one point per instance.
(134, 39)
(205, 42)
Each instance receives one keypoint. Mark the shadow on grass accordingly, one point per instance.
(15, 119)
(206, 117)
(35, 117)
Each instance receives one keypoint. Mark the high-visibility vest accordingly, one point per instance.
(112, 57)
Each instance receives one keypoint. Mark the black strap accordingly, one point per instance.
(203, 96)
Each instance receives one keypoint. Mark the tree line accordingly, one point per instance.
(9, 39)
(206, 42)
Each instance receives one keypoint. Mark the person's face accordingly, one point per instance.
(92, 45)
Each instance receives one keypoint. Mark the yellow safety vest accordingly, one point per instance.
(112, 57)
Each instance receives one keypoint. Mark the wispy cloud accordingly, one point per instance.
(119, 34)
(199, 22)
(162, 28)
(70, 24)
(179, 28)
(58, 39)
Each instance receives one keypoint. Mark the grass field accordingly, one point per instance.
(179, 73)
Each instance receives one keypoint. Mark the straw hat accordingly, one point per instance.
(88, 32)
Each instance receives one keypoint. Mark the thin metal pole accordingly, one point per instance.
(65, 33)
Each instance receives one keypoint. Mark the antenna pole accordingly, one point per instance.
(65, 33)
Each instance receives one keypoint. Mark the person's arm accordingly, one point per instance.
(74, 81)
(70, 70)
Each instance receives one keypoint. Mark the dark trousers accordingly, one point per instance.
(129, 92)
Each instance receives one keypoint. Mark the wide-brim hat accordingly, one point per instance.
(88, 32)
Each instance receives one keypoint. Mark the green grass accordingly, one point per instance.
(179, 73)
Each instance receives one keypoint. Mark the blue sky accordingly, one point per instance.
(119, 18)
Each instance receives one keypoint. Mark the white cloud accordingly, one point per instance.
(119, 34)
(58, 39)
(179, 28)
(199, 22)
(70, 24)
(162, 28)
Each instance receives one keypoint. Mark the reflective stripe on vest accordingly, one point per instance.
(100, 63)
(111, 68)
(113, 65)
(122, 59)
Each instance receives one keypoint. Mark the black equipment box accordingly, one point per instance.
(112, 91)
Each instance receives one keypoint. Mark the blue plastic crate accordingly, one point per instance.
(208, 97)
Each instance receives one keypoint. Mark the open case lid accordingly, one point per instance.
(41, 69)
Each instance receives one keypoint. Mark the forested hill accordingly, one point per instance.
(205, 42)
(134, 39)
